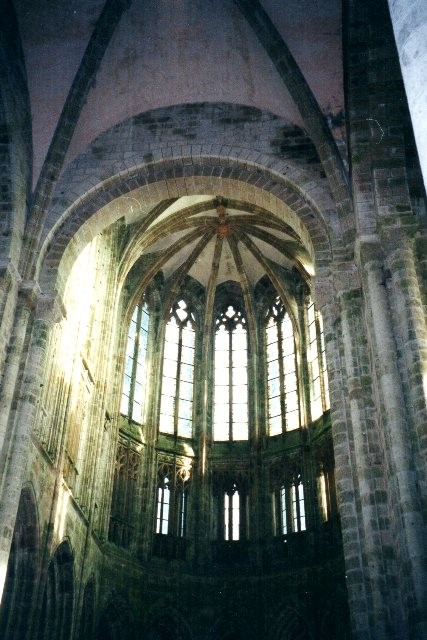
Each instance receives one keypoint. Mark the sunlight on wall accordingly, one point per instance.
(80, 305)
(61, 512)
(3, 571)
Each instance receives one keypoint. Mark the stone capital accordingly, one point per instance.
(28, 294)
(50, 308)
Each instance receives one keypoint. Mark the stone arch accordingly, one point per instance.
(117, 180)
(22, 570)
(230, 626)
(58, 598)
(87, 616)
(99, 211)
(115, 622)
(290, 625)
(165, 623)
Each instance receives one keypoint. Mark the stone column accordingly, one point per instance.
(345, 473)
(406, 515)
(361, 480)
(34, 315)
(409, 19)
(405, 290)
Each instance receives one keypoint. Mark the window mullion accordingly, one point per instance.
(135, 362)
(230, 385)
(281, 373)
(321, 357)
(177, 382)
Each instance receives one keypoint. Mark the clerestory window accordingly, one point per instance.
(282, 382)
(232, 515)
(176, 404)
(231, 377)
(135, 373)
(319, 389)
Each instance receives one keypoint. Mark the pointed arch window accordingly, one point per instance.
(319, 388)
(176, 404)
(289, 507)
(282, 382)
(134, 377)
(172, 499)
(232, 515)
(231, 377)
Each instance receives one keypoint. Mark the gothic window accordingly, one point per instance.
(176, 405)
(172, 499)
(289, 508)
(282, 384)
(232, 515)
(280, 502)
(134, 377)
(163, 502)
(231, 377)
(297, 505)
(319, 391)
(124, 493)
(326, 493)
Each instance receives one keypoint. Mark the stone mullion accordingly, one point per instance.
(303, 379)
(346, 468)
(202, 498)
(149, 457)
(252, 333)
(302, 361)
(264, 492)
(406, 517)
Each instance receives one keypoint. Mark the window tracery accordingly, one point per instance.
(124, 494)
(231, 377)
(282, 381)
(288, 500)
(319, 387)
(176, 403)
(135, 371)
(173, 478)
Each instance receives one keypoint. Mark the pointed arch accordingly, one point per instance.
(116, 622)
(58, 598)
(22, 570)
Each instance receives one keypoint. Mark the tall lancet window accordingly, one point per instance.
(176, 405)
(231, 377)
(319, 389)
(282, 383)
(134, 378)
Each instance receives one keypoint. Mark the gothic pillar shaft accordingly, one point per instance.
(406, 513)
(345, 476)
(409, 18)
(20, 420)
(368, 457)
(409, 325)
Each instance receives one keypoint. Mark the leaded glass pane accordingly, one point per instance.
(275, 425)
(184, 427)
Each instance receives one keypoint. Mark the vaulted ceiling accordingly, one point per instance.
(160, 53)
